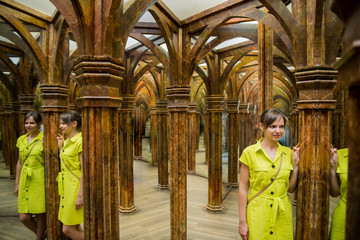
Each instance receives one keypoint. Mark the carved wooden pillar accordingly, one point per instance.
(6, 138)
(26, 105)
(265, 61)
(138, 134)
(243, 119)
(294, 121)
(10, 138)
(162, 145)
(206, 135)
(127, 204)
(233, 142)
(349, 79)
(99, 78)
(197, 130)
(192, 137)
(315, 106)
(214, 145)
(251, 135)
(336, 126)
(153, 135)
(178, 105)
(55, 102)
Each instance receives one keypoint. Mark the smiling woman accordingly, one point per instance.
(29, 181)
(270, 170)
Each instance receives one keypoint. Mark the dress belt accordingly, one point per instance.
(278, 205)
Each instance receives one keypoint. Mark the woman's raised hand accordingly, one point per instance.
(334, 157)
(60, 139)
(295, 155)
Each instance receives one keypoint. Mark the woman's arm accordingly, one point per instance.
(79, 200)
(17, 175)
(295, 172)
(242, 201)
(334, 179)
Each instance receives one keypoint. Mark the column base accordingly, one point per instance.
(229, 184)
(127, 210)
(162, 187)
(12, 177)
(214, 209)
(138, 158)
(191, 172)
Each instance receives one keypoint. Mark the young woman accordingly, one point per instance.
(338, 186)
(70, 180)
(29, 180)
(270, 170)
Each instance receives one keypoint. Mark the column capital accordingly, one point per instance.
(232, 105)
(192, 108)
(55, 97)
(214, 103)
(99, 78)
(162, 107)
(179, 97)
(26, 102)
(315, 86)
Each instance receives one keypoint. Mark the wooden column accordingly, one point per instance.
(126, 147)
(265, 61)
(153, 135)
(178, 97)
(197, 130)
(315, 106)
(26, 105)
(138, 134)
(10, 137)
(99, 78)
(336, 126)
(162, 145)
(233, 142)
(192, 137)
(243, 119)
(55, 102)
(214, 145)
(349, 79)
(294, 121)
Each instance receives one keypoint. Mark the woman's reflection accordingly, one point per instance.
(338, 186)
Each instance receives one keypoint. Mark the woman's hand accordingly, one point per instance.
(79, 202)
(295, 155)
(16, 191)
(334, 158)
(60, 139)
(243, 230)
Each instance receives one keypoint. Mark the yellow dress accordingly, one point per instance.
(31, 194)
(337, 231)
(269, 215)
(68, 184)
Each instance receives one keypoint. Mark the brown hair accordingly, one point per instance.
(71, 116)
(269, 116)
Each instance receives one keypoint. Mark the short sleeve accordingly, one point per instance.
(244, 157)
(79, 147)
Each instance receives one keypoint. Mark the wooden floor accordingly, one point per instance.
(152, 218)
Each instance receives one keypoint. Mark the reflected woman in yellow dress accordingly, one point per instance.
(70, 179)
(338, 186)
(270, 170)
(29, 180)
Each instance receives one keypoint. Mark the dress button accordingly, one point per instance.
(273, 166)
(62, 206)
(272, 179)
(271, 205)
(63, 150)
(26, 164)
(26, 190)
(271, 232)
(272, 193)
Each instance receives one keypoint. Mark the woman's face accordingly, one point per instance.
(31, 126)
(66, 128)
(275, 131)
